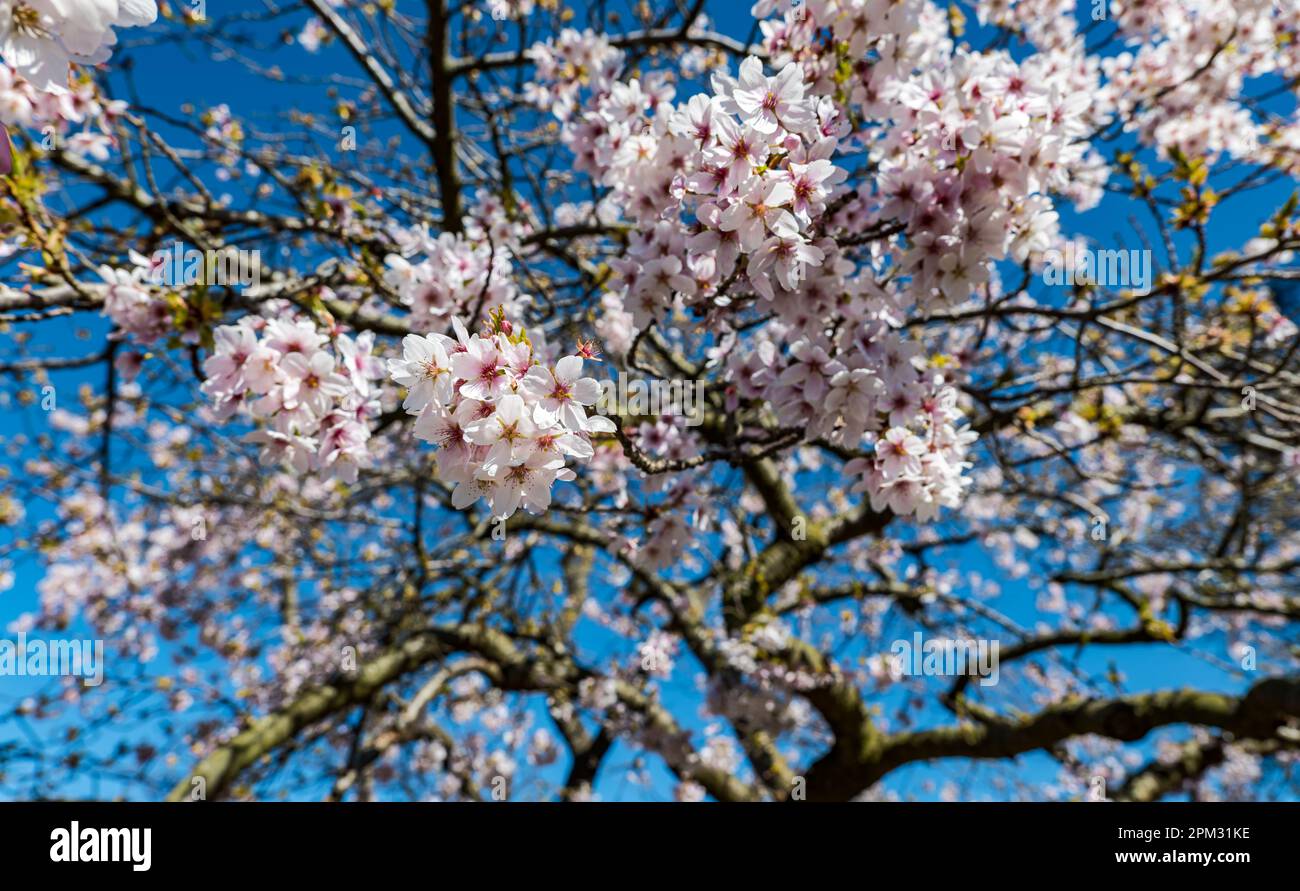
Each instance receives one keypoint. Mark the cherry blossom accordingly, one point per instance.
(632, 381)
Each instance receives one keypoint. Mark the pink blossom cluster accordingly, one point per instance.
(1184, 62)
(1047, 24)
(313, 35)
(1177, 83)
(39, 40)
(505, 423)
(136, 305)
(916, 474)
(313, 394)
(118, 597)
(568, 63)
(487, 221)
(56, 112)
(869, 388)
(970, 173)
(438, 277)
(224, 135)
(736, 186)
(502, 10)
(968, 147)
(738, 175)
